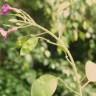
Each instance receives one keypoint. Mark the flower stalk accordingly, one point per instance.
(27, 21)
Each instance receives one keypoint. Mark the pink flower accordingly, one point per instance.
(5, 33)
(5, 9)
(11, 30)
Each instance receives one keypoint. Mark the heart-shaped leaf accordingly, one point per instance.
(90, 69)
(44, 86)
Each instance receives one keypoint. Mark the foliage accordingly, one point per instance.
(76, 25)
(45, 85)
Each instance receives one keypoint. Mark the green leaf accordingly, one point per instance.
(21, 41)
(28, 46)
(44, 86)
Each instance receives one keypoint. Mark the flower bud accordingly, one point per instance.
(12, 20)
(5, 9)
(14, 29)
(3, 33)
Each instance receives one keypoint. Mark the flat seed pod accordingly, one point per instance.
(90, 69)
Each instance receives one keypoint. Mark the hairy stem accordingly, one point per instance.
(31, 22)
(70, 56)
(46, 30)
(74, 68)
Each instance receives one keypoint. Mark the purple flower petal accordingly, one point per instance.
(5, 9)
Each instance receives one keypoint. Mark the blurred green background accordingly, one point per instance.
(77, 23)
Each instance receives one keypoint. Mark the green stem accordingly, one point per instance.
(46, 30)
(69, 54)
(65, 49)
(85, 84)
(68, 87)
(74, 68)
(71, 62)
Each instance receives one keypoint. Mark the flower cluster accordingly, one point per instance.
(5, 9)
